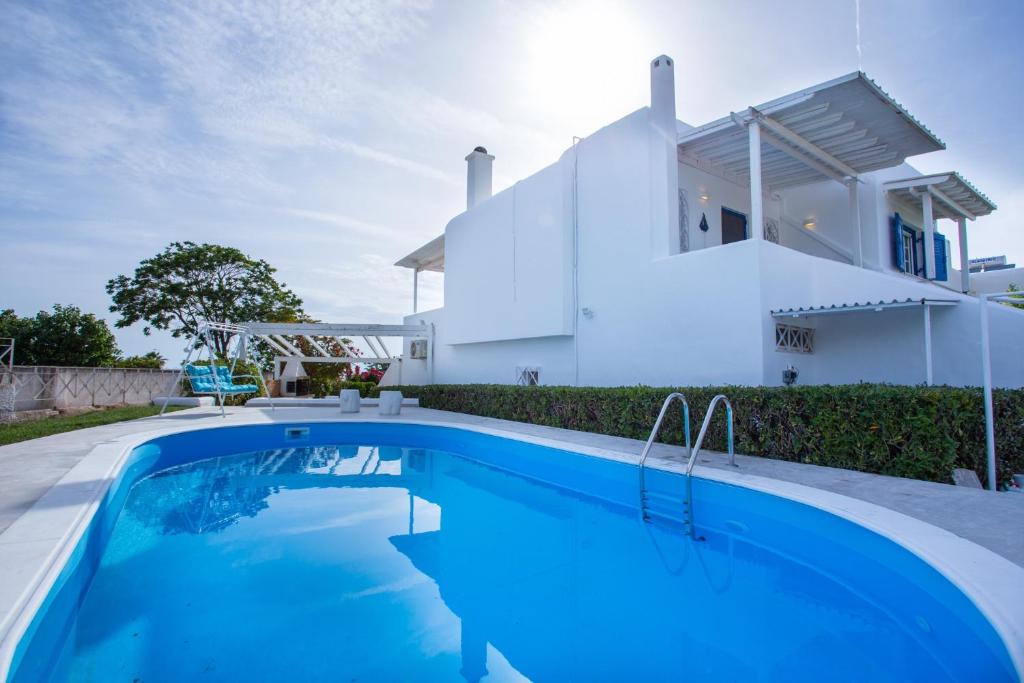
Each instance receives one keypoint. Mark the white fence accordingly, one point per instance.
(37, 387)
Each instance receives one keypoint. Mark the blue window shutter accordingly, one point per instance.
(897, 232)
(940, 257)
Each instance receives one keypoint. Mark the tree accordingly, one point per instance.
(67, 336)
(1014, 288)
(150, 359)
(188, 282)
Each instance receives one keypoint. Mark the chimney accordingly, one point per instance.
(663, 96)
(478, 177)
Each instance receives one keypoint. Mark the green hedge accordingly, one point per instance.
(918, 432)
(330, 386)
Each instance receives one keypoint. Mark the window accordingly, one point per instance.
(909, 248)
(528, 377)
(794, 339)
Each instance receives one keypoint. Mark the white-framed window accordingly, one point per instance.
(909, 247)
(794, 339)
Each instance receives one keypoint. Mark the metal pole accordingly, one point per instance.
(986, 373)
(927, 344)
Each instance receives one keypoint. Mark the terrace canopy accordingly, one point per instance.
(925, 305)
(836, 130)
(943, 195)
(428, 257)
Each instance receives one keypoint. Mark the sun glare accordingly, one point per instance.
(587, 62)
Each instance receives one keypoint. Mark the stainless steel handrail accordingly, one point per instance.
(688, 503)
(654, 433)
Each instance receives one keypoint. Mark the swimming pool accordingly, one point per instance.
(402, 551)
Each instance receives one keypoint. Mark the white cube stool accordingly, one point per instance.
(349, 399)
(390, 402)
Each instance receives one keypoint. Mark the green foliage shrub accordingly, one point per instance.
(330, 386)
(66, 336)
(918, 432)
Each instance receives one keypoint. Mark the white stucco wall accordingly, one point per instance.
(886, 346)
(827, 203)
(721, 194)
(487, 362)
(993, 281)
(508, 262)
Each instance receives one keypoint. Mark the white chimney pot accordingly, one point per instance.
(478, 176)
(663, 95)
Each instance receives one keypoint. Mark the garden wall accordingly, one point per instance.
(39, 387)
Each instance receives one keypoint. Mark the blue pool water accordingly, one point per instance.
(400, 552)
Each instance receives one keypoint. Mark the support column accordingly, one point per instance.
(415, 289)
(986, 381)
(928, 345)
(858, 243)
(756, 226)
(929, 235)
(965, 263)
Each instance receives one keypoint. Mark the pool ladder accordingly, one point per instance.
(691, 452)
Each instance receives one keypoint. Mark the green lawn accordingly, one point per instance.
(23, 431)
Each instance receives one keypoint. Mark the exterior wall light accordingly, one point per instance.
(810, 224)
(789, 376)
(703, 196)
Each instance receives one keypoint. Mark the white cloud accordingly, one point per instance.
(371, 229)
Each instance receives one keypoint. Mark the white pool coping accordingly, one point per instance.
(38, 544)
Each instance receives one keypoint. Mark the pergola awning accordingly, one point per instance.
(856, 306)
(428, 257)
(836, 130)
(925, 305)
(954, 197)
(281, 337)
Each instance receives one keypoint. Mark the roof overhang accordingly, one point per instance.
(953, 196)
(836, 130)
(859, 307)
(428, 257)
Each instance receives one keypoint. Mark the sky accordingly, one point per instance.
(328, 138)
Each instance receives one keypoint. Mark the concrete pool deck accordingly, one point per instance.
(49, 488)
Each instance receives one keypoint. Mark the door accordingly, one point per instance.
(734, 226)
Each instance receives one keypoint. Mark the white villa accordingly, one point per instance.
(792, 235)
